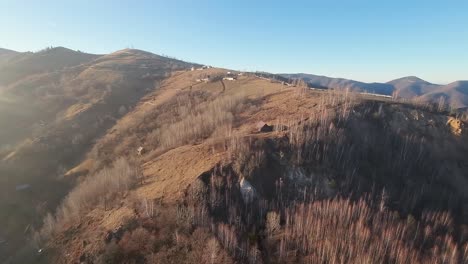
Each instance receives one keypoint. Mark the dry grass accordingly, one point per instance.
(200, 121)
(286, 224)
(99, 188)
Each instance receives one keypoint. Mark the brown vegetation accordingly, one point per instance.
(101, 188)
(341, 179)
(200, 121)
(341, 231)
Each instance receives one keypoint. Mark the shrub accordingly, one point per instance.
(272, 223)
(112, 254)
(136, 243)
(100, 187)
(199, 122)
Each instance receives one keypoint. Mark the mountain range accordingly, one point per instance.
(454, 94)
(15, 65)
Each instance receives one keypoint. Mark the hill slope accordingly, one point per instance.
(51, 118)
(205, 167)
(131, 157)
(6, 54)
(455, 94)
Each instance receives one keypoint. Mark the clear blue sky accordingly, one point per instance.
(363, 40)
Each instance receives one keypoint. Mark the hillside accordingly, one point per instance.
(136, 158)
(50, 119)
(456, 94)
(6, 54)
(207, 175)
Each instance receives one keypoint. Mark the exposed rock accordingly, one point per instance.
(141, 151)
(115, 234)
(264, 127)
(456, 125)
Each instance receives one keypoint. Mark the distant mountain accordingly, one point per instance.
(5, 51)
(6, 54)
(16, 65)
(340, 83)
(455, 94)
(410, 87)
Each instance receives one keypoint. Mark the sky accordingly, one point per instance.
(362, 40)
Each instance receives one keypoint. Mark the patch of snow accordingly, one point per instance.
(378, 95)
(22, 187)
(247, 191)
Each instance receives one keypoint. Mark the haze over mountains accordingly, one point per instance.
(455, 94)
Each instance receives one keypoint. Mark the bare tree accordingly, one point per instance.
(272, 223)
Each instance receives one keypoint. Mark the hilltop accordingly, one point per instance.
(21, 64)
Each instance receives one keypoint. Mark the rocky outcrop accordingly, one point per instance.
(456, 125)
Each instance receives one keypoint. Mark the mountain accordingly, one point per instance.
(411, 88)
(63, 92)
(6, 55)
(54, 104)
(342, 84)
(132, 157)
(17, 65)
(455, 94)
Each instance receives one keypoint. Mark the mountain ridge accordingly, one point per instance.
(22, 64)
(408, 87)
